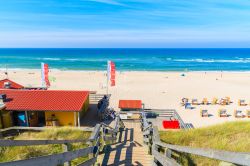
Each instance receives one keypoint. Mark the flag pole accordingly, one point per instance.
(42, 74)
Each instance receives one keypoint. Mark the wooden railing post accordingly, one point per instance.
(66, 148)
(150, 143)
(168, 153)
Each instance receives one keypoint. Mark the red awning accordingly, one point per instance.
(130, 104)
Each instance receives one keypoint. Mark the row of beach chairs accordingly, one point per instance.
(222, 101)
(223, 113)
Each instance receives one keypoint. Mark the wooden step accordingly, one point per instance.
(129, 150)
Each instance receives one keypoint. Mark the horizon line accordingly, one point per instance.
(124, 47)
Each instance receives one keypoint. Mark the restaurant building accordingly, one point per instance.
(37, 108)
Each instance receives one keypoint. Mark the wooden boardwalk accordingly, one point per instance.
(129, 149)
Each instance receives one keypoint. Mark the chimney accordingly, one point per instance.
(7, 85)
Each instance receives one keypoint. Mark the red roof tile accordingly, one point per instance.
(44, 100)
(130, 104)
(13, 85)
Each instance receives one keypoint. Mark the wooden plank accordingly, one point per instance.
(88, 162)
(231, 157)
(51, 160)
(164, 160)
(37, 142)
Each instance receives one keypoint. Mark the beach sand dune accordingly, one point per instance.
(161, 90)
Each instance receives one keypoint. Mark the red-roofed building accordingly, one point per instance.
(8, 84)
(44, 107)
(127, 105)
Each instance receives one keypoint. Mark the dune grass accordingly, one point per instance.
(231, 136)
(25, 152)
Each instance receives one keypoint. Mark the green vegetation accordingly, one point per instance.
(25, 152)
(231, 136)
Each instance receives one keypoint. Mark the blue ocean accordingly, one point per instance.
(129, 59)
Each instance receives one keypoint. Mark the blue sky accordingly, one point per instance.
(120, 23)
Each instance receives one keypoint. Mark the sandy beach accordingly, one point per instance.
(158, 90)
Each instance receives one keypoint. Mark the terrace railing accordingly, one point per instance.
(101, 131)
(168, 154)
(170, 113)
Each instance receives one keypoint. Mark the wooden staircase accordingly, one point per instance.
(128, 149)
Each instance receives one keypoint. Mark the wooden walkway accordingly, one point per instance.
(129, 149)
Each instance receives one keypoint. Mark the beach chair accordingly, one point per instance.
(205, 101)
(228, 100)
(195, 102)
(242, 102)
(184, 101)
(248, 113)
(238, 114)
(222, 113)
(204, 113)
(223, 101)
(214, 101)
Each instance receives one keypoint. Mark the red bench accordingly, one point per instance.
(171, 124)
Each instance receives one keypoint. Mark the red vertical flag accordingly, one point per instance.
(111, 73)
(45, 75)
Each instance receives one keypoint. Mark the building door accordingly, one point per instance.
(41, 119)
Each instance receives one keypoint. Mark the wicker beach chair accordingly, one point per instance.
(184, 101)
(214, 101)
(248, 113)
(242, 102)
(238, 114)
(223, 101)
(205, 101)
(222, 113)
(204, 113)
(195, 102)
(228, 100)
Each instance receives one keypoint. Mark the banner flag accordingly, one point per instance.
(45, 75)
(111, 73)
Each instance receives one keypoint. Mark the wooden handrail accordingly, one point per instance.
(37, 142)
(154, 143)
(231, 157)
(41, 128)
(54, 159)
